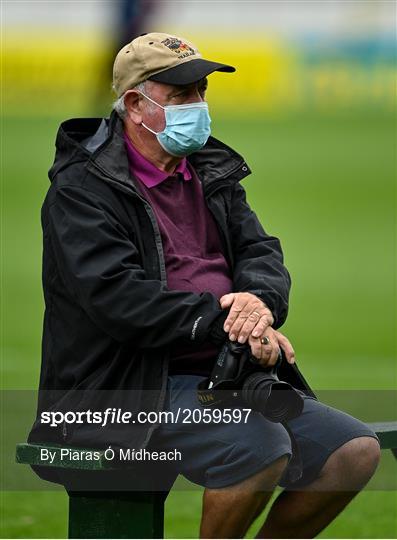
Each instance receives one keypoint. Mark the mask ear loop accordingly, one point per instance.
(158, 105)
(151, 130)
(150, 99)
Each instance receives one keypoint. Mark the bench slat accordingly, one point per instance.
(33, 454)
(387, 433)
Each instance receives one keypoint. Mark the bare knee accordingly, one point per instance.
(354, 463)
(269, 477)
(362, 453)
(264, 480)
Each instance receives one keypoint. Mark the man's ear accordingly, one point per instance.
(133, 105)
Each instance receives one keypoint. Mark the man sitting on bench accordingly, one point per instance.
(152, 259)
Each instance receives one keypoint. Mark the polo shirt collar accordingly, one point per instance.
(148, 173)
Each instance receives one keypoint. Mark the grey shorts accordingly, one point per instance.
(216, 455)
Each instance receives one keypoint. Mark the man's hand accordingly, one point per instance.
(248, 316)
(267, 354)
(249, 319)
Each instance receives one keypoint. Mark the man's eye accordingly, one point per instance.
(181, 94)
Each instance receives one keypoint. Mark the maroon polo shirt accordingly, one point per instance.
(194, 258)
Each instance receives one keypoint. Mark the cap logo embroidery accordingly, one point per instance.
(179, 47)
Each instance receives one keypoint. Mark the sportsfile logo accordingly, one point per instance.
(179, 47)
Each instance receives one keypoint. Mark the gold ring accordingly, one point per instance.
(265, 340)
(256, 313)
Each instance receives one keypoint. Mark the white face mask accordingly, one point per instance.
(187, 127)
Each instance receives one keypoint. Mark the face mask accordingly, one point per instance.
(187, 127)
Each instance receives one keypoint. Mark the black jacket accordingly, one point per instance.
(109, 317)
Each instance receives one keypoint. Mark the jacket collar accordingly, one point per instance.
(100, 143)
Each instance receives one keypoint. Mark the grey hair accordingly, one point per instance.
(119, 105)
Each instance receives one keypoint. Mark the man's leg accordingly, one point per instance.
(228, 512)
(304, 513)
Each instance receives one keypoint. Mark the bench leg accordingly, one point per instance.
(116, 515)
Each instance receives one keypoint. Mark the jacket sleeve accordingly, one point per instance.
(258, 257)
(100, 267)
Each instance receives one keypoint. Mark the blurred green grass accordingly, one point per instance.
(325, 186)
(44, 515)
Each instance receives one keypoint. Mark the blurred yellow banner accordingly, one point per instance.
(61, 73)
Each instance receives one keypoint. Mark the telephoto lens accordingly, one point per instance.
(278, 401)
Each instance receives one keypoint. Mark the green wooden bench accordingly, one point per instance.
(127, 514)
(102, 514)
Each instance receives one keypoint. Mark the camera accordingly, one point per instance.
(237, 379)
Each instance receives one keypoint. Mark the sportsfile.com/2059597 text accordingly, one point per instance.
(118, 416)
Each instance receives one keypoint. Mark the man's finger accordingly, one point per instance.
(263, 324)
(266, 354)
(236, 309)
(226, 300)
(274, 355)
(287, 347)
(252, 310)
(254, 321)
(270, 350)
(256, 348)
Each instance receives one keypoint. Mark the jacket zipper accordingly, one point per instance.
(218, 185)
(221, 229)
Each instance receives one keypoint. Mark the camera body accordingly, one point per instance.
(238, 379)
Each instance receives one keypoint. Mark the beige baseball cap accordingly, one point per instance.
(163, 58)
